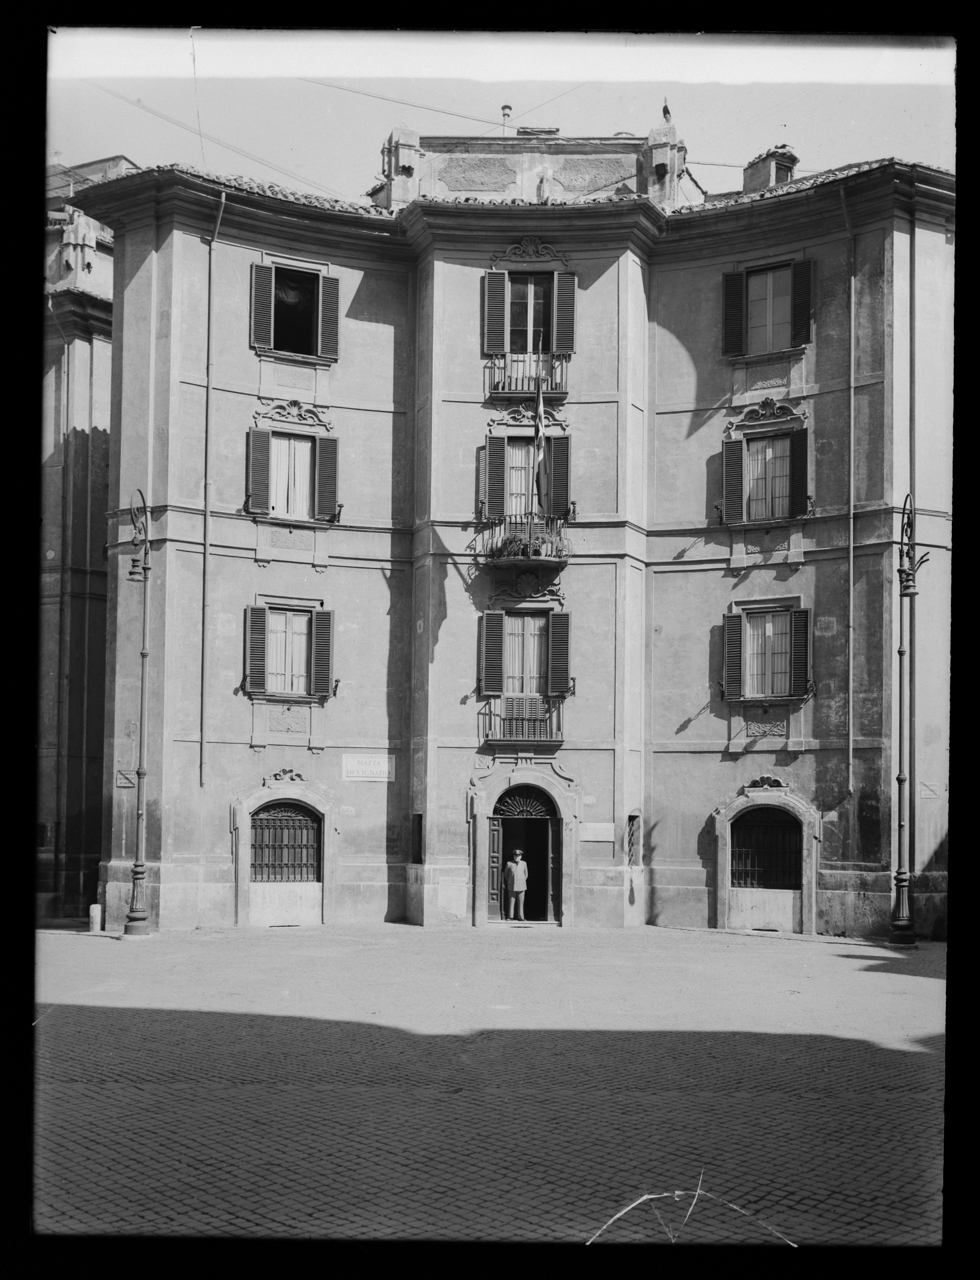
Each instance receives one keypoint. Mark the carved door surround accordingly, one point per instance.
(286, 785)
(486, 786)
(773, 793)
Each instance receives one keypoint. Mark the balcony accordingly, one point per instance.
(510, 718)
(516, 374)
(520, 539)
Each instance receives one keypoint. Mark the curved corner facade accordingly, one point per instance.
(568, 526)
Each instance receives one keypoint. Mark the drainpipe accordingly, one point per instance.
(850, 509)
(912, 598)
(205, 577)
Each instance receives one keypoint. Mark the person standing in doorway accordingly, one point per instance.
(515, 878)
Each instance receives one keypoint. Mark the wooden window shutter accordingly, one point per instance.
(559, 680)
(261, 305)
(322, 681)
(255, 642)
(802, 280)
(259, 450)
(733, 655)
(496, 477)
(564, 330)
(329, 317)
(492, 652)
(560, 448)
(733, 313)
(798, 497)
(799, 659)
(733, 503)
(326, 478)
(495, 313)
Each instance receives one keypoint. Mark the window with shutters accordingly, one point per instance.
(291, 476)
(528, 330)
(295, 312)
(767, 310)
(288, 652)
(767, 654)
(524, 669)
(524, 493)
(765, 477)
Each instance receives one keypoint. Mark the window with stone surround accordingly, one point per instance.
(764, 476)
(295, 312)
(767, 309)
(289, 652)
(292, 476)
(766, 653)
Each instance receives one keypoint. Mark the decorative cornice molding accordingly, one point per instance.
(291, 411)
(767, 413)
(284, 775)
(522, 415)
(529, 249)
(526, 588)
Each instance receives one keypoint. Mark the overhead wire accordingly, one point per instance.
(227, 146)
(402, 102)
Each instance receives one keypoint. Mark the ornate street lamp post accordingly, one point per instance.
(902, 933)
(137, 921)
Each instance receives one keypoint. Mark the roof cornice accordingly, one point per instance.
(637, 223)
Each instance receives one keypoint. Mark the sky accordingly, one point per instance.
(310, 110)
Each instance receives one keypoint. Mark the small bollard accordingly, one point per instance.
(95, 918)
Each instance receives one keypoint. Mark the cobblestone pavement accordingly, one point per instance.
(513, 1084)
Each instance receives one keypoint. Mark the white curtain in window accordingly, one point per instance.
(276, 654)
(518, 476)
(768, 478)
(299, 652)
(779, 476)
(279, 476)
(536, 655)
(755, 654)
(301, 459)
(767, 654)
(514, 655)
(779, 653)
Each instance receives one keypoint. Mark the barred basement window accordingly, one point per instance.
(632, 839)
(285, 844)
(767, 850)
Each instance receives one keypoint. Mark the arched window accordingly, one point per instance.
(285, 844)
(767, 850)
(524, 802)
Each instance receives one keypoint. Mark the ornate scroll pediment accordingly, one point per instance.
(290, 411)
(767, 780)
(768, 413)
(529, 249)
(522, 415)
(284, 775)
(525, 587)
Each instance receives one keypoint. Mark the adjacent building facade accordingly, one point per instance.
(529, 507)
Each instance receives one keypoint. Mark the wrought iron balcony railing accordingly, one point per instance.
(516, 374)
(513, 718)
(513, 539)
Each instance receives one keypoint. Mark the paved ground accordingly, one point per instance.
(503, 1084)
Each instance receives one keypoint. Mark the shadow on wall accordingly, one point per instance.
(243, 1101)
(84, 458)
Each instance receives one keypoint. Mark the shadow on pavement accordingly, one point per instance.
(250, 1125)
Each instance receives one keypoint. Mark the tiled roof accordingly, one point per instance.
(787, 188)
(236, 182)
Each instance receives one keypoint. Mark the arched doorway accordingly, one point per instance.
(766, 877)
(285, 865)
(526, 818)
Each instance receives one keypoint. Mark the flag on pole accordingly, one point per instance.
(540, 452)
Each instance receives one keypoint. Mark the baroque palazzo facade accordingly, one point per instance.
(529, 506)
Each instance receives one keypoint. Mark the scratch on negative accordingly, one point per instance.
(677, 1195)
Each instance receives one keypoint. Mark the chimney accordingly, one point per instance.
(770, 169)
(661, 166)
(400, 155)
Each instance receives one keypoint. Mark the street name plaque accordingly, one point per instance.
(369, 768)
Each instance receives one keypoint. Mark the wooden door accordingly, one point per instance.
(495, 887)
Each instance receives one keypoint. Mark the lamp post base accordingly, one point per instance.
(136, 929)
(902, 938)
